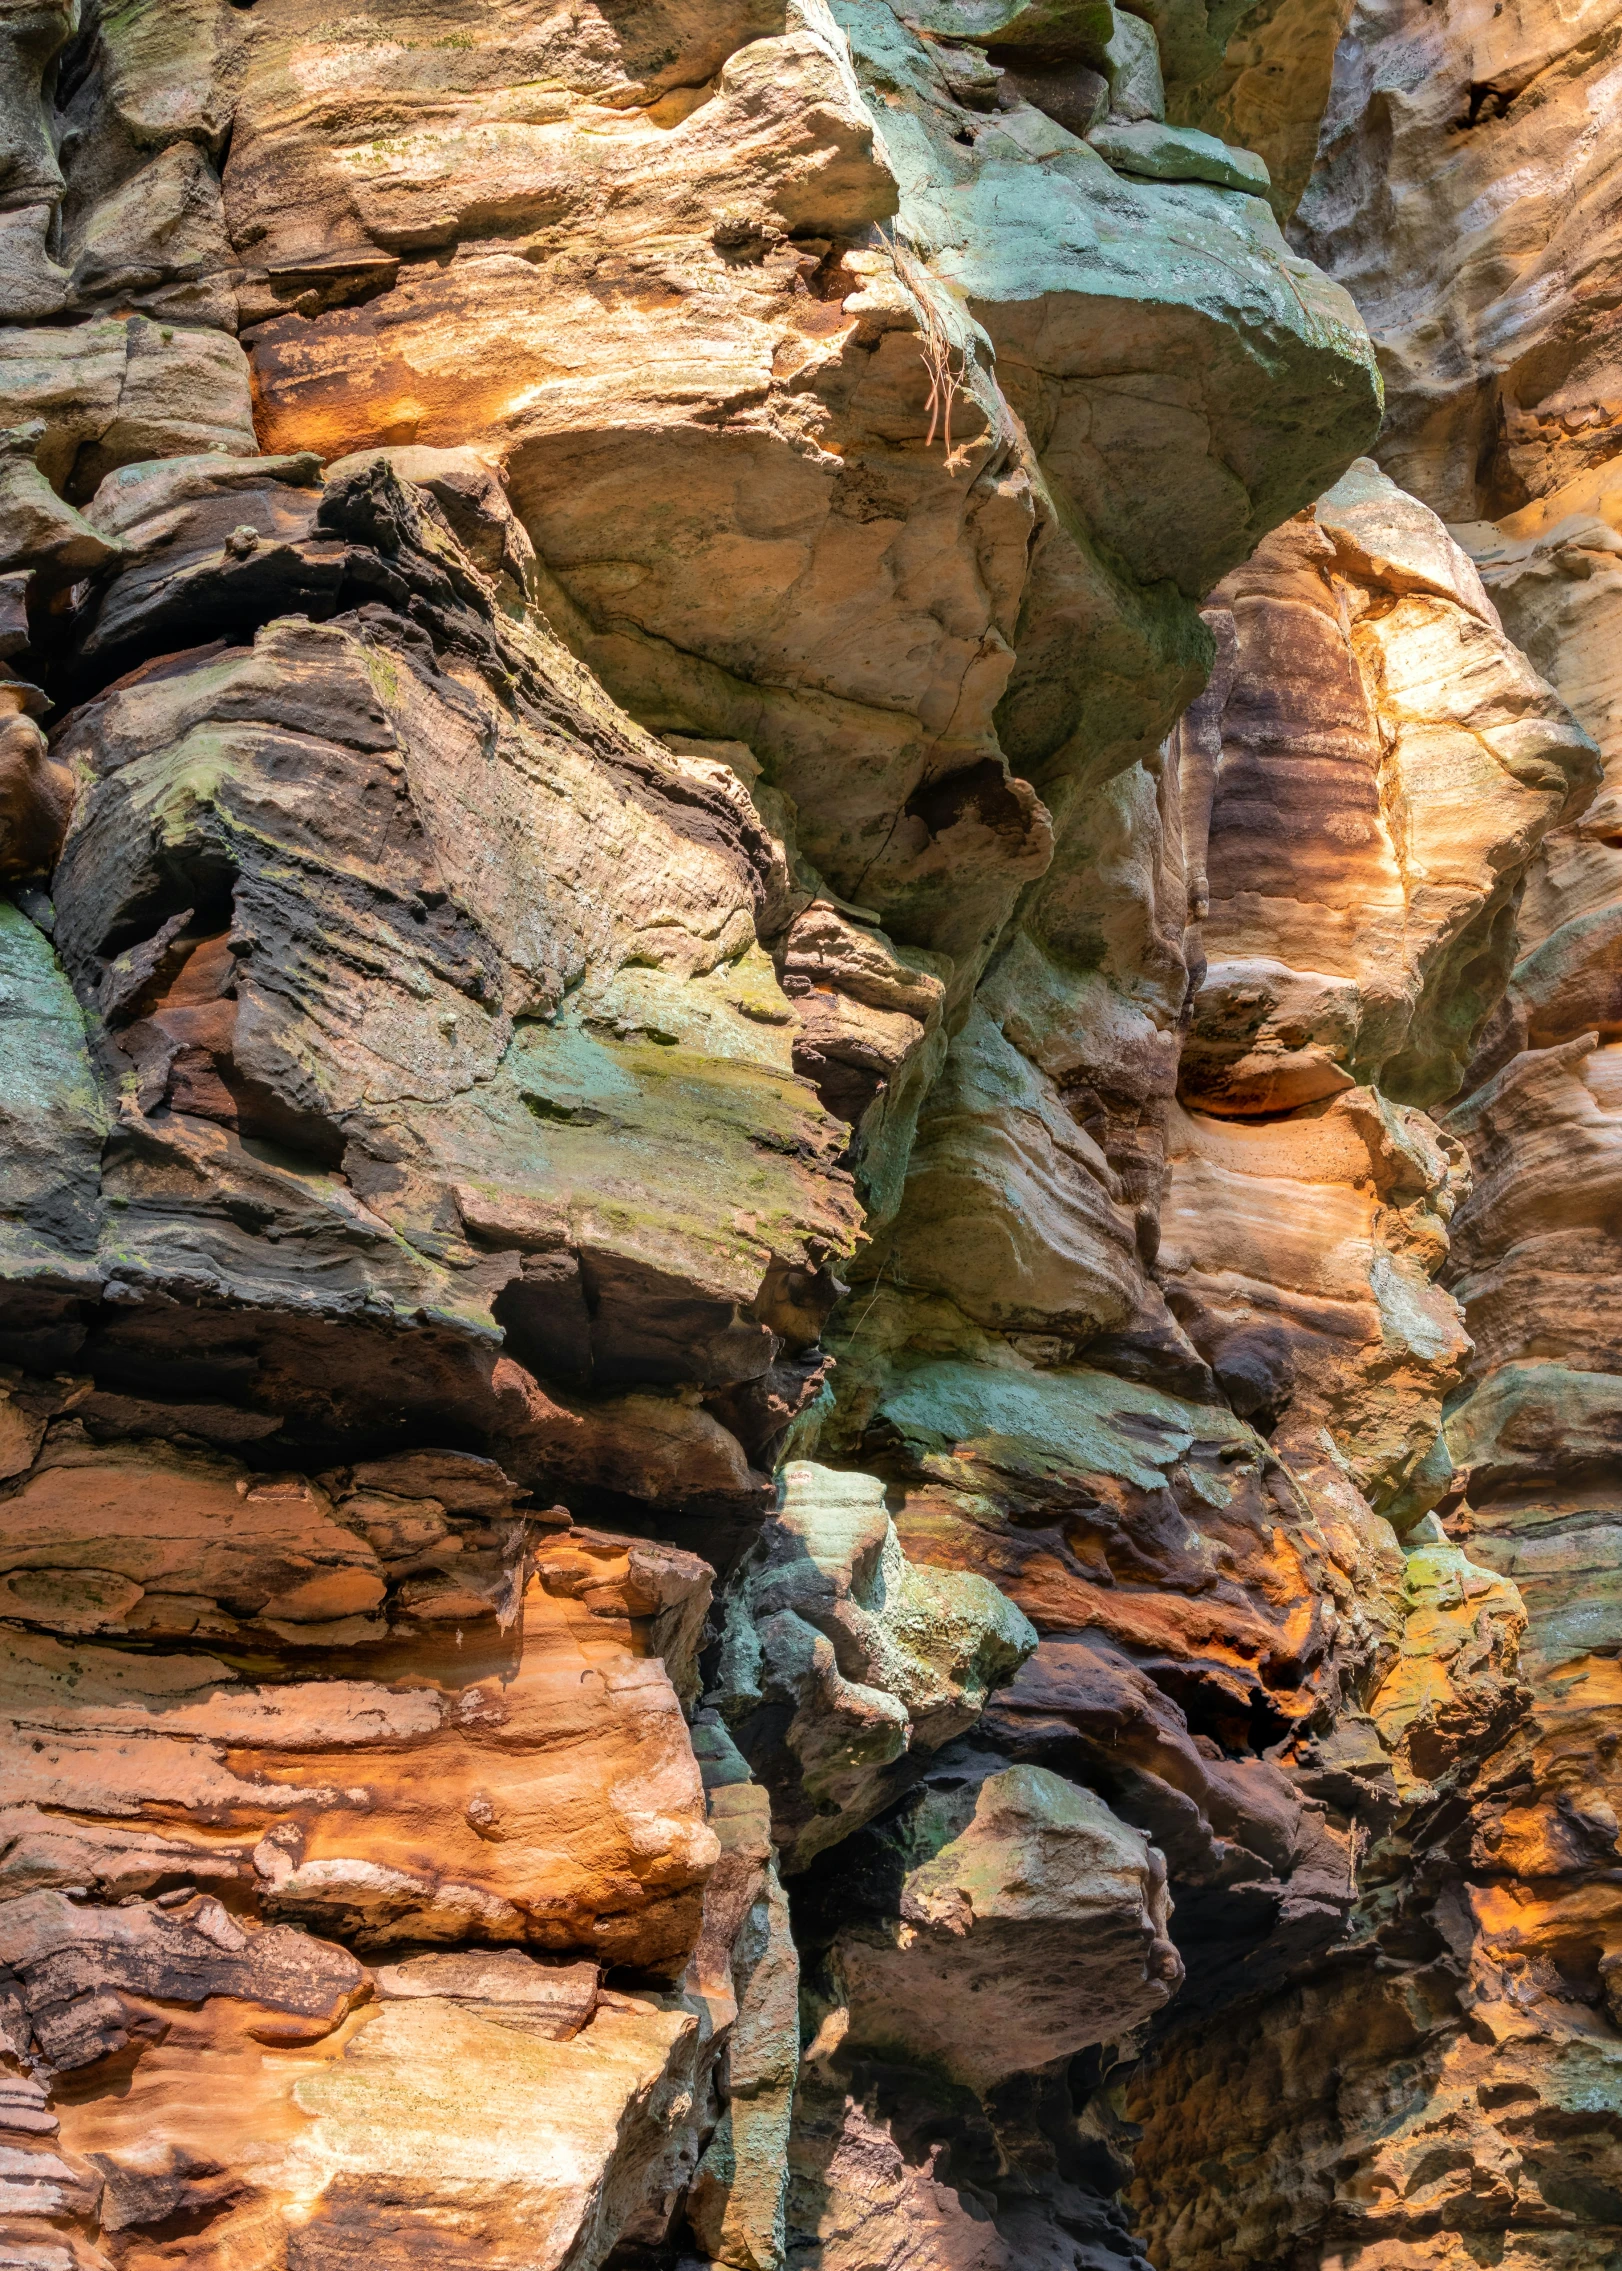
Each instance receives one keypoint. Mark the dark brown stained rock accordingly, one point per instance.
(208, 548)
(77, 1967)
(471, 1185)
(1260, 1868)
(869, 1015)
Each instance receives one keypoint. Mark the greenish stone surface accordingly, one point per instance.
(1039, 1425)
(52, 1123)
(1178, 153)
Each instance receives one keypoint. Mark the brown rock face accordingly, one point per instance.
(1445, 2093)
(432, 1834)
(808, 1417)
(1494, 314)
(1386, 765)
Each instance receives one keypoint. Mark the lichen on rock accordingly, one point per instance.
(844, 1662)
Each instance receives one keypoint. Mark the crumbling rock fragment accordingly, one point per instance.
(842, 1657)
(1018, 1893)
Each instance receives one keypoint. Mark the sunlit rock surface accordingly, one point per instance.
(844, 1662)
(1491, 304)
(1446, 2093)
(807, 1389)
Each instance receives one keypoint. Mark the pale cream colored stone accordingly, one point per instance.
(1464, 194)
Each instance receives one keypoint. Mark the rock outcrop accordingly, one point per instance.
(1445, 2092)
(843, 1663)
(1465, 194)
(808, 1387)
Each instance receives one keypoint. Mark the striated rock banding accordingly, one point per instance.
(806, 1389)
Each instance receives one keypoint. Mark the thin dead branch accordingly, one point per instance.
(946, 375)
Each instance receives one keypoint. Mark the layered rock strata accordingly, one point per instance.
(804, 1395)
(1449, 2095)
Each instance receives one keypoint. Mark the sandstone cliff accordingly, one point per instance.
(808, 1387)
(1447, 2092)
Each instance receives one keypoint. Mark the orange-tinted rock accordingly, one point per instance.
(36, 792)
(675, 836)
(1441, 2094)
(403, 1800)
(1299, 1254)
(1385, 766)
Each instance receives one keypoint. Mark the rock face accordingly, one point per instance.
(1445, 2092)
(1493, 315)
(843, 1661)
(1017, 1891)
(808, 1384)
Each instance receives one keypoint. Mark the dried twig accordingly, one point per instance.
(945, 380)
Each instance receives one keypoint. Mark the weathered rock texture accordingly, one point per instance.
(808, 1385)
(1465, 192)
(1446, 2089)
